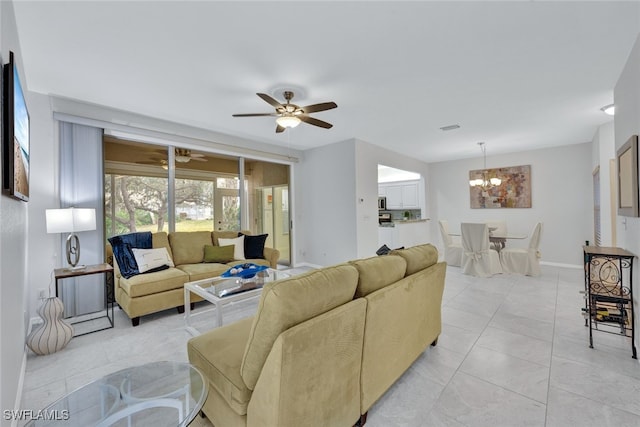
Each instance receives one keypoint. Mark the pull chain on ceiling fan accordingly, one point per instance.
(290, 115)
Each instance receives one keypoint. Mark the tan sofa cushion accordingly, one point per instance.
(204, 270)
(188, 246)
(418, 257)
(286, 303)
(161, 240)
(153, 283)
(377, 272)
(218, 354)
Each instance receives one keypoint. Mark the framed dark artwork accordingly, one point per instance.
(627, 163)
(514, 190)
(15, 137)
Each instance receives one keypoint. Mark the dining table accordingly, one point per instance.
(499, 239)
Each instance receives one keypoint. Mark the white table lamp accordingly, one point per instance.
(71, 220)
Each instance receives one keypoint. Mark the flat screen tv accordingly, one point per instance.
(15, 138)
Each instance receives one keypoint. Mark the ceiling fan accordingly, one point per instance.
(290, 115)
(183, 155)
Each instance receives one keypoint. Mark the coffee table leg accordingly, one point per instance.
(218, 305)
(187, 308)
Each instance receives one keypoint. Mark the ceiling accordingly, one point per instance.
(517, 75)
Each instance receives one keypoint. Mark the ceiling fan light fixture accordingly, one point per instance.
(183, 159)
(288, 121)
(609, 109)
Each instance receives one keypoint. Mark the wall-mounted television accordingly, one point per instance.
(627, 162)
(15, 138)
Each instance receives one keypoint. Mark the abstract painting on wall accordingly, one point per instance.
(514, 190)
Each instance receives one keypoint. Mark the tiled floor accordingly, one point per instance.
(513, 352)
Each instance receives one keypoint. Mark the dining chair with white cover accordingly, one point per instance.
(452, 251)
(477, 258)
(524, 260)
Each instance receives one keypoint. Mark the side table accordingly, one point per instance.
(66, 273)
(609, 292)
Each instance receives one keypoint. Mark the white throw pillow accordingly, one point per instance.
(238, 250)
(148, 259)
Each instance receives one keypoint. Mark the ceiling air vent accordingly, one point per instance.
(450, 127)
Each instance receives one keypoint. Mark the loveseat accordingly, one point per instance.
(155, 291)
(325, 345)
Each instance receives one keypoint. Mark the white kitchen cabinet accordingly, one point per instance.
(404, 234)
(401, 195)
(410, 198)
(394, 197)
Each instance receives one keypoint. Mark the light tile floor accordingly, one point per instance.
(513, 352)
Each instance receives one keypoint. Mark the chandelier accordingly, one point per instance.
(485, 182)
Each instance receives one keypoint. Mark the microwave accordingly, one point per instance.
(382, 203)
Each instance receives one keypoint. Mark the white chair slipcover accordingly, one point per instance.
(521, 260)
(452, 251)
(477, 258)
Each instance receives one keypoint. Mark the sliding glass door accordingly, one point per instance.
(205, 192)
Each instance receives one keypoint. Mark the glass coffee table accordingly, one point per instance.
(155, 394)
(221, 291)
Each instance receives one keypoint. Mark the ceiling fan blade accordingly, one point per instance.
(255, 115)
(279, 129)
(198, 159)
(194, 155)
(314, 108)
(270, 100)
(314, 121)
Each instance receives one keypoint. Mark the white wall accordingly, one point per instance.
(368, 156)
(562, 199)
(13, 254)
(336, 200)
(627, 123)
(325, 204)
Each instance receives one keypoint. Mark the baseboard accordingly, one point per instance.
(23, 368)
(307, 264)
(559, 264)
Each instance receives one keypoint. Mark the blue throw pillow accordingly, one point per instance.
(254, 245)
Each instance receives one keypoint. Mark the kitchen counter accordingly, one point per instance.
(402, 221)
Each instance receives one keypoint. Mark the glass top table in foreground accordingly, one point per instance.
(155, 394)
(220, 291)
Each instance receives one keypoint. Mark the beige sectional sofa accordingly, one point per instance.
(152, 292)
(323, 346)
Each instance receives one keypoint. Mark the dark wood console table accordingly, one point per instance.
(609, 292)
(66, 273)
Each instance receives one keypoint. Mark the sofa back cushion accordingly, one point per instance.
(286, 303)
(161, 240)
(188, 246)
(418, 257)
(377, 272)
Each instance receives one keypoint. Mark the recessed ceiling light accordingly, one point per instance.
(450, 127)
(609, 109)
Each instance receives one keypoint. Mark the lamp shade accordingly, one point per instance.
(70, 220)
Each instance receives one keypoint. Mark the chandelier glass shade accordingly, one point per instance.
(485, 182)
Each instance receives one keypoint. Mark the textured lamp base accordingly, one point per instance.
(54, 334)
